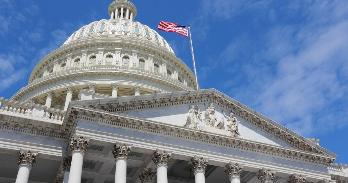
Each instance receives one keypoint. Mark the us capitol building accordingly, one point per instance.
(114, 104)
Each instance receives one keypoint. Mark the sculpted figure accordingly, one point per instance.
(232, 124)
(193, 118)
(210, 117)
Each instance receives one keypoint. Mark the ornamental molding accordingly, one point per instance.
(66, 163)
(78, 144)
(117, 120)
(233, 169)
(121, 151)
(199, 164)
(161, 158)
(266, 176)
(27, 158)
(31, 126)
(297, 179)
(209, 96)
(146, 175)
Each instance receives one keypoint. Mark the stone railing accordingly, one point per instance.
(32, 111)
(338, 170)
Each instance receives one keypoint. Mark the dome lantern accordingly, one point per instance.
(122, 9)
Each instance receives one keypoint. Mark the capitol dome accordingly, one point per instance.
(107, 58)
(108, 29)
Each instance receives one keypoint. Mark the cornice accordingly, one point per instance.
(117, 120)
(211, 95)
(31, 127)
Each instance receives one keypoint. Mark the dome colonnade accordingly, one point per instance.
(107, 58)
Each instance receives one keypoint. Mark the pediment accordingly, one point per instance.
(207, 111)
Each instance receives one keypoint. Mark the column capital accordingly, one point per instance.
(199, 164)
(296, 179)
(146, 175)
(266, 175)
(69, 90)
(115, 85)
(26, 158)
(161, 158)
(66, 163)
(233, 169)
(78, 144)
(121, 151)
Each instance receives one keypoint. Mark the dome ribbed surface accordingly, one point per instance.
(116, 28)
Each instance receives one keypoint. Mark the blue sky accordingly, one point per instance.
(286, 59)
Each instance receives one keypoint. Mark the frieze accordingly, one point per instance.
(103, 117)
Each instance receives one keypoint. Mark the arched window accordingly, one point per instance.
(77, 62)
(63, 65)
(125, 61)
(92, 59)
(108, 59)
(156, 68)
(180, 79)
(50, 70)
(142, 64)
(169, 73)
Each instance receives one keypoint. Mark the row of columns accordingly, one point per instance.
(119, 13)
(78, 146)
(69, 95)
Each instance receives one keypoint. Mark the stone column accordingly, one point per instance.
(161, 158)
(137, 91)
(266, 176)
(48, 100)
(66, 169)
(121, 13)
(127, 13)
(146, 175)
(116, 12)
(297, 179)
(114, 92)
(199, 165)
(78, 146)
(233, 170)
(25, 162)
(131, 16)
(68, 98)
(120, 153)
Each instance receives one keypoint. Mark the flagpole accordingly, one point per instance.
(193, 58)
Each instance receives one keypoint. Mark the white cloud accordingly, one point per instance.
(299, 75)
(11, 70)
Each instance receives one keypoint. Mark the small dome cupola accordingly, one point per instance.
(122, 9)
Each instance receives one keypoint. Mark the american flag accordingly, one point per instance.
(173, 27)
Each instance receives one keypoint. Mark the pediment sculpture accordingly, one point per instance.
(209, 118)
(194, 118)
